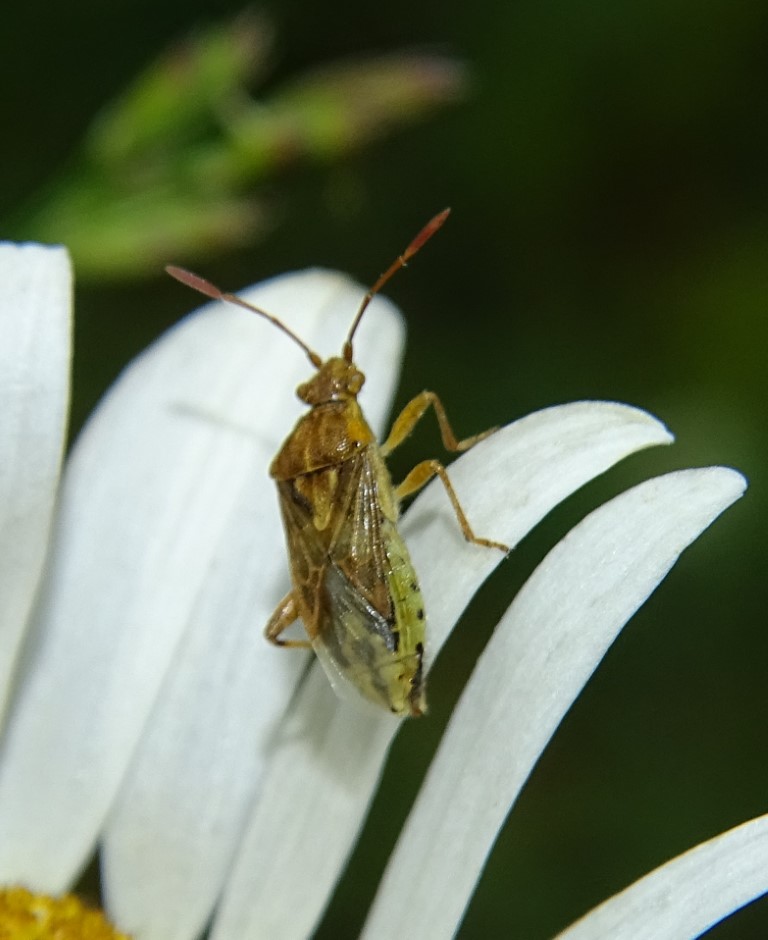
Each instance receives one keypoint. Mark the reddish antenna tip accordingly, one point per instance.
(195, 282)
(400, 262)
(426, 233)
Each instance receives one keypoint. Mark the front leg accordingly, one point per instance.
(285, 614)
(412, 413)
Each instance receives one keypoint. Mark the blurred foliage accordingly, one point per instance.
(176, 166)
(609, 240)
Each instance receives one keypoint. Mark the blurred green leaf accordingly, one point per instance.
(171, 169)
(178, 96)
(134, 234)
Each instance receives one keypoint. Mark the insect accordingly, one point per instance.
(353, 584)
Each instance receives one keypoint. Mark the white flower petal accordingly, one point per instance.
(688, 895)
(328, 759)
(542, 653)
(312, 802)
(35, 325)
(170, 837)
(168, 476)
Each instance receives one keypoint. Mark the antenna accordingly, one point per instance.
(400, 262)
(210, 290)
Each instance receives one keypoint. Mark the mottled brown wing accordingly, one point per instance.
(354, 584)
(367, 532)
(354, 537)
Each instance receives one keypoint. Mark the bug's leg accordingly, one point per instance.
(421, 474)
(285, 614)
(413, 411)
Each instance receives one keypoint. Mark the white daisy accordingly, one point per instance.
(149, 716)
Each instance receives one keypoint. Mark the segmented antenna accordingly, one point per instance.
(400, 262)
(202, 286)
(210, 290)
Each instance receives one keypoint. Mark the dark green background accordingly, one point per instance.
(609, 240)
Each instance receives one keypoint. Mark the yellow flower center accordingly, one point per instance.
(28, 916)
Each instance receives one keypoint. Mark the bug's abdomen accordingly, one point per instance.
(372, 633)
(380, 657)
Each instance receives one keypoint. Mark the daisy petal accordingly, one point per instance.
(35, 324)
(686, 896)
(329, 756)
(158, 495)
(542, 653)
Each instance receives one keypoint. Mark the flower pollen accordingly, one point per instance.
(28, 916)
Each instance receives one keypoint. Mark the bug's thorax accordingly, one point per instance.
(333, 430)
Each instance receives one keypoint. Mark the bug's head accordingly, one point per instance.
(335, 380)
